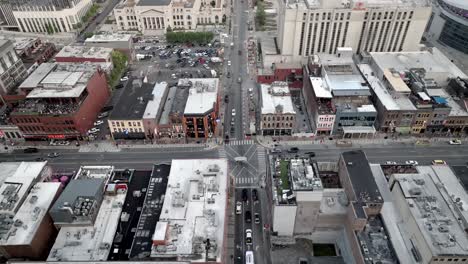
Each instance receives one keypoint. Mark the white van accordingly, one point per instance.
(249, 257)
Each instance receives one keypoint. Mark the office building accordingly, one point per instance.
(193, 222)
(50, 16)
(449, 23)
(12, 70)
(307, 27)
(155, 17)
(62, 101)
(278, 116)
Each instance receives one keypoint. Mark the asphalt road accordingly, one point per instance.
(91, 27)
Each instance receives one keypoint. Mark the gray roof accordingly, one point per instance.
(76, 188)
(362, 179)
(154, 2)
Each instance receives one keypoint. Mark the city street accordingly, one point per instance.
(91, 27)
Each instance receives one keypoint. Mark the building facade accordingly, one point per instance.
(12, 70)
(155, 17)
(278, 116)
(49, 16)
(61, 101)
(34, 50)
(310, 27)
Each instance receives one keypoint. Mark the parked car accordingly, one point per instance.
(98, 123)
(238, 208)
(123, 79)
(102, 115)
(93, 130)
(439, 162)
(229, 63)
(233, 112)
(293, 150)
(245, 195)
(53, 155)
(255, 195)
(248, 236)
(276, 150)
(311, 154)
(226, 99)
(391, 163)
(411, 162)
(455, 142)
(30, 150)
(248, 217)
(119, 86)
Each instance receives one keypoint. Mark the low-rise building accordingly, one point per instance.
(278, 116)
(154, 109)
(282, 72)
(193, 222)
(33, 51)
(116, 41)
(201, 109)
(81, 54)
(155, 17)
(62, 101)
(170, 127)
(12, 70)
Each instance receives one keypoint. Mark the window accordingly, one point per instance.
(129, 123)
(10, 57)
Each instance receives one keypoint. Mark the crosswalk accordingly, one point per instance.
(245, 180)
(261, 157)
(241, 142)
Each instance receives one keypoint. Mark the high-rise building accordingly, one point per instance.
(308, 27)
(12, 70)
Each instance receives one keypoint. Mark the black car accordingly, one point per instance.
(245, 195)
(226, 99)
(31, 150)
(311, 154)
(248, 217)
(293, 150)
(254, 195)
(119, 86)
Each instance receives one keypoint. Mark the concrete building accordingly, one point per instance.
(309, 27)
(430, 210)
(194, 211)
(154, 110)
(116, 41)
(33, 51)
(449, 23)
(337, 97)
(49, 16)
(12, 70)
(126, 119)
(7, 19)
(202, 107)
(410, 92)
(26, 229)
(170, 126)
(98, 230)
(278, 116)
(62, 101)
(155, 17)
(81, 54)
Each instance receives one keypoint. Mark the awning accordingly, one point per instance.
(358, 130)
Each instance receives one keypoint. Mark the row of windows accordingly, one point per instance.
(278, 118)
(278, 125)
(131, 130)
(41, 129)
(122, 124)
(326, 16)
(37, 120)
(449, 259)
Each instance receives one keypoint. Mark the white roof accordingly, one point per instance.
(203, 96)
(109, 37)
(19, 184)
(85, 52)
(90, 243)
(320, 87)
(64, 78)
(195, 208)
(153, 106)
(366, 108)
(36, 76)
(57, 93)
(7, 169)
(160, 231)
(32, 212)
(94, 172)
(274, 96)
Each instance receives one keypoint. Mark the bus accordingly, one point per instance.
(249, 257)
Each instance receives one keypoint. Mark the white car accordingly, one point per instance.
(93, 130)
(123, 79)
(391, 163)
(248, 236)
(229, 63)
(98, 123)
(455, 142)
(233, 113)
(411, 162)
(238, 208)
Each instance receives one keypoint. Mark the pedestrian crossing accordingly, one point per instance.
(245, 180)
(261, 157)
(241, 142)
(222, 153)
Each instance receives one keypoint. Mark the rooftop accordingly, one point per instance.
(435, 209)
(375, 244)
(94, 172)
(7, 169)
(156, 104)
(133, 102)
(85, 52)
(21, 43)
(320, 87)
(194, 209)
(109, 38)
(457, 105)
(168, 104)
(154, 2)
(276, 98)
(355, 4)
(203, 96)
(17, 185)
(29, 217)
(303, 176)
(362, 180)
(90, 243)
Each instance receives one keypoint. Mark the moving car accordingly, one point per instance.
(249, 257)
(238, 208)
(276, 150)
(248, 236)
(293, 150)
(439, 162)
(30, 150)
(99, 122)
(248, 217)
(311, 154)
(245, 195)
(239, 80)
(391, 163)
(53, 155)
(411, 162)
(119, 86)
(229, 63)
(233, 112)
(123, 79)
(455, 142)
(255, 195)
(257, 218)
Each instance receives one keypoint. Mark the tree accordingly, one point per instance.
(169, 29)
(88, 34)
(260, 15)
(119, 61)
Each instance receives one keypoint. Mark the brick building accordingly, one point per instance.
(62, 101)
(284, 72)
(80, 54)
(34, 50)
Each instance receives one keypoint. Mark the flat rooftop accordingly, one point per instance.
(156, 104)
(154, 2)
(314, 4)
(203, 96)
(85, 52)
(30, 215)
(169, 102)
(303, 175)
(90, 243)
(94, 172)
(109, 38)
(132, 103)
(21, 43)
(276, 97)
(7, 169)
(433, 210)
(194, 209)
(362, 179)
(320, 87)
(457, 107)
